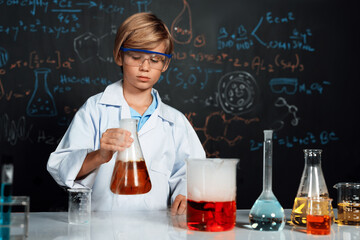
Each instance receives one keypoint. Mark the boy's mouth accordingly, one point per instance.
(143, 78)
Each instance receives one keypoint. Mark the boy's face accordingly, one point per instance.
(142, 77)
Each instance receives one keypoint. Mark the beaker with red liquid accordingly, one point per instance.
(211, 194)
(318, 216)
(130, 175)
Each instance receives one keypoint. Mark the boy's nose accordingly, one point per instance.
(145, 65)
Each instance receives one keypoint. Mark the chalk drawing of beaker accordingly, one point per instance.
(41, 103)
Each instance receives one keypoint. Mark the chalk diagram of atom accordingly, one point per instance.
(237, 92)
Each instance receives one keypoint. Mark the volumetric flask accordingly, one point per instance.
(267, 214)
(211, 194)
(130, 175)
(312, 185)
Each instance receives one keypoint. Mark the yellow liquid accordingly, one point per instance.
(349, 213)
(298, 214)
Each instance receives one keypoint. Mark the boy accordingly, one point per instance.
(85, 156)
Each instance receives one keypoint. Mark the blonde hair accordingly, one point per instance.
(142, 31)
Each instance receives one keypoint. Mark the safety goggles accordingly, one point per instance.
(136, 57)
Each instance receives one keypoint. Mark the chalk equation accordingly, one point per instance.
(323, 138)
(67, 14)
(291, 86)
(241, 38)
(191, 77)
(289, 63)
(37, 60)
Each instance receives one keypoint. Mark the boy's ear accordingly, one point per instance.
(166, 67)
(118, 59)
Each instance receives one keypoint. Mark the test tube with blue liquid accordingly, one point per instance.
(267, 214)
(7, 170)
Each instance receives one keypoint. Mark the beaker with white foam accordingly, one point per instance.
(211, 194)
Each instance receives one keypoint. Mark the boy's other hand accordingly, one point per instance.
(179, 205)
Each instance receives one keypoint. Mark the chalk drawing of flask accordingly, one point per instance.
(41, 103)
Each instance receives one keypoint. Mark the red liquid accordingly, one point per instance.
(130, 178)
(318, 225)
(211, 216)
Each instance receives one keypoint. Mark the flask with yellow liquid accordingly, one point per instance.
(312, 185)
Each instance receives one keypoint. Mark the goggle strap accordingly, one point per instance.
(145, 51)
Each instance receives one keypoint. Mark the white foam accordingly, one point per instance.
(211, 179)
(133, 153)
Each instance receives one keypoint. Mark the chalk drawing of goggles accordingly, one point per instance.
(284, 85)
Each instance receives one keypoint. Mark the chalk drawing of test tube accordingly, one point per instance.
(41, 103)
(142, 5)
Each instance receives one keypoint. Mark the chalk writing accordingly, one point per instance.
(256, 63)
(8, 95)
(239, 39)
(192, 77)
(38, 27)
(37, 61)
(141, 4)
(47, 139)
(324, 137)
(242, 39)
(11, 131)
(291, 86)
(27, 3)
(3, 57)
(86, 80)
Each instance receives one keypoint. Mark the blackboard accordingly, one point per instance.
(239, 67)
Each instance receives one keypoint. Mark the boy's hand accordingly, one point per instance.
(179, 205)
(112, 140)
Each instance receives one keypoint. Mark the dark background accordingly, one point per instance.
(239, 67)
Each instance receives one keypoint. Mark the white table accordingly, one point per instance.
(161, 225)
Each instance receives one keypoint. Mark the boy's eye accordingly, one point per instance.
(156, 58)
(135, 56)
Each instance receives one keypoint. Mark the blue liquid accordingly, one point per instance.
(267, 215)
(5, 211)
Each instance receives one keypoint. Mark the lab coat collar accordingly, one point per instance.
(113, 95)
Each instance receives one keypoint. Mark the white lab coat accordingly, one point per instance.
(166, 139)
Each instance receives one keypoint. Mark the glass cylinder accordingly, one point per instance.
(267, 214)
(130, 175)
(312, 185)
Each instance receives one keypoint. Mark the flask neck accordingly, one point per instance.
(41, 79)
(312, 157)
(312, 181)
(267, 166)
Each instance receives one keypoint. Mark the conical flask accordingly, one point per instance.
(312, 185)
(130, 175)
(267, 214)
